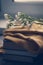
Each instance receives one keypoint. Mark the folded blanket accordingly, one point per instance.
(24, 39)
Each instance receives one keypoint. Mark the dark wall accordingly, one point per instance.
(30, 8)
(0, 5)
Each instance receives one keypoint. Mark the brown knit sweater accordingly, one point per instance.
(25, 39)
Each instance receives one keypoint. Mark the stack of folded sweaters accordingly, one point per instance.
(26, 40)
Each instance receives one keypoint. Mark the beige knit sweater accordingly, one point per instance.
(25, 38)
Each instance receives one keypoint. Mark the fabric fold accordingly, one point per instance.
(25, 39)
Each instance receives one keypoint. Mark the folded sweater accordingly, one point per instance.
(24, 39)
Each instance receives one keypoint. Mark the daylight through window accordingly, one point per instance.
(28, 0)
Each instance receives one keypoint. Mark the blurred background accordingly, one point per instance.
(31, 8)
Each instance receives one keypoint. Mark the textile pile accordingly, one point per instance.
(24, 38)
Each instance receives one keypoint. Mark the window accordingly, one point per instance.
(28, 0)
